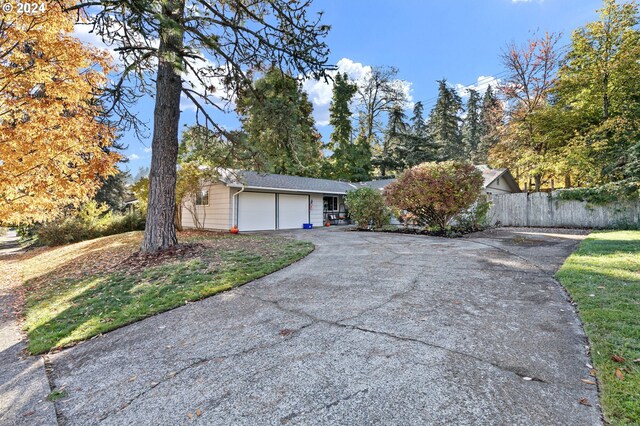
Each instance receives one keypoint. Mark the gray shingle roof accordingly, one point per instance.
(251, 179)
(376, 184)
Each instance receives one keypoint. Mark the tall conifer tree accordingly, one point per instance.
(444, 123)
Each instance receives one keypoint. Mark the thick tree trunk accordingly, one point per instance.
(160, 231)
(537, 179)
(605, 98)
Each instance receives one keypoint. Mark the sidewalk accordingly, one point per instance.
(23, 382)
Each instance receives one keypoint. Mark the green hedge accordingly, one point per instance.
(91, 221)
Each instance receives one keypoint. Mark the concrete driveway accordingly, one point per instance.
(369, 329)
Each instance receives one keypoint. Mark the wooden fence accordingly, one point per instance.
(545, 210)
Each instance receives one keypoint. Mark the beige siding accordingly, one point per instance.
(498, 186)
(317, 217)
(216, 215)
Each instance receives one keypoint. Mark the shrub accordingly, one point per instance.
(603, 194)
(433, 193)
(93, 220)
(475, 218)
(367, 208)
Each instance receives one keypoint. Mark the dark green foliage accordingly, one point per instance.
(367, 208)
(420, 149)
(604, 194)
(396, 144)
(475, 218)
(277, 120)
(491, 115)
(114, 191)
(93, 220)
(351, 160)
(340, 115)
(472, 126)
(444, 123)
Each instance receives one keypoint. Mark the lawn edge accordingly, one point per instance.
(22, 319)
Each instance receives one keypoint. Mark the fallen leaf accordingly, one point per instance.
(285, 332)
(593, 372)
(588, 382)
(617, 358)
(190, 415)
(584, 401)
(132, 378)
(198, 412)
(619, 374)
(589, 365)
(601, 286)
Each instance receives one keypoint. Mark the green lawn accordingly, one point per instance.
(78, 291)
(603, 278)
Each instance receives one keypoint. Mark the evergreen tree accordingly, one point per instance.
(114, 190)
(394, 150)
(339, 113)
(472, 126)
(491, 115)
(350, 161)
(444, 123)
(420, 148)
(277, 120)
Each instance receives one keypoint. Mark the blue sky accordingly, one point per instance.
(427, 40)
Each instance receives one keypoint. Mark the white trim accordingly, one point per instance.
(302, 191)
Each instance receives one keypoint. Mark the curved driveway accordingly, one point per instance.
(369, 329)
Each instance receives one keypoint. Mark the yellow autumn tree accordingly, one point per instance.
(53, 145)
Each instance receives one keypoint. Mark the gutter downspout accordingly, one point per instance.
(233, 207)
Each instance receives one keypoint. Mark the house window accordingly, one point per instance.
(202, 198)
(330, 204)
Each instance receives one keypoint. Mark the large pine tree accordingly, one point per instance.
(349, 160)
(472, 127)
(277, 119)
(444, 123)
(491, 116)
(420, 147)
(393, 153)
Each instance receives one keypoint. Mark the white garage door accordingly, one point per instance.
(293, 211)
(256, 211)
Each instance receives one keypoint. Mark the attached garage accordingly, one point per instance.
(266, 211)
(256, 211)
(293, 211)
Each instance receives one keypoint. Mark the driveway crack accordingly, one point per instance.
(201, 361)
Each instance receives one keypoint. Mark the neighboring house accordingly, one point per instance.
(259, 202)
(498, 181)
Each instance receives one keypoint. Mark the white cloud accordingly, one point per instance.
(147, 150)
(526, 1)
(84, 34)
(480, 85)
(320, 91)
(133, 157)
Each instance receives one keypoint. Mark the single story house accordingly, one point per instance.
(256, 202)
